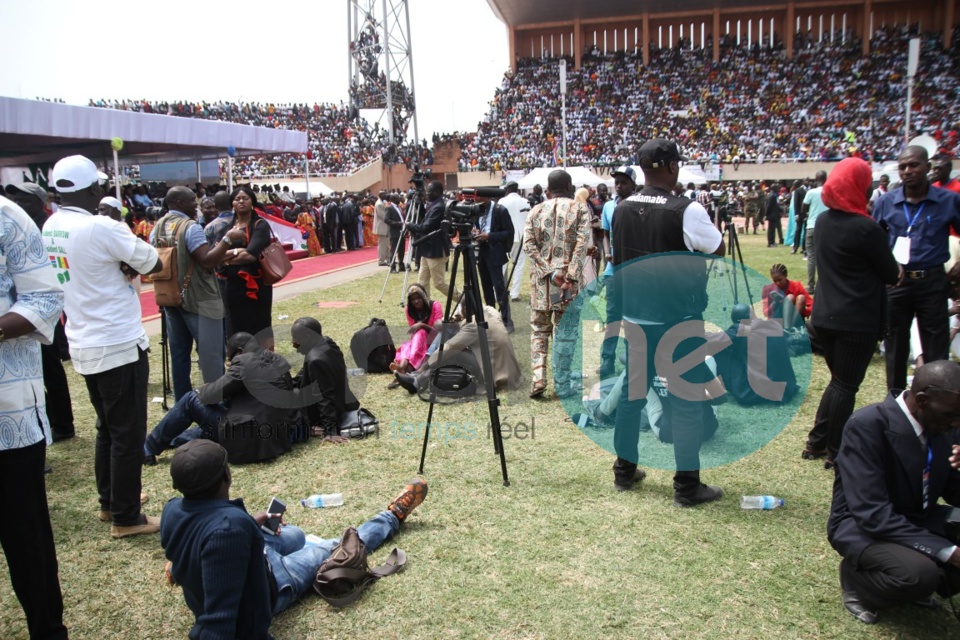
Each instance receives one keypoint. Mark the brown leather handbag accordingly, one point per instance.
(274, 263)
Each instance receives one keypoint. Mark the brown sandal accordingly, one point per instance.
(538, 390)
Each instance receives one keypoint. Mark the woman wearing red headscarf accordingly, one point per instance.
(855, 265)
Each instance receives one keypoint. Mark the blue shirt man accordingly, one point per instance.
(918, 218)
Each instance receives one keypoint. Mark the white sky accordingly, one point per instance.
(251, 50)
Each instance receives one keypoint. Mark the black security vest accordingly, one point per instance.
(667, 289)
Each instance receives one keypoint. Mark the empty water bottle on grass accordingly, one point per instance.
(356, 371)
(319, 501)
(760, 502)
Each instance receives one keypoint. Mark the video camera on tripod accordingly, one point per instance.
(462, 213)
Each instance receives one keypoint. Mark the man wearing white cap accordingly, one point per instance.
(95, 258)
(111, 207)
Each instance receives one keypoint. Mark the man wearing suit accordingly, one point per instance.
(433, 252)
(892, 469)
(494, 235)
(322, 381)
(394, 221)
(382, 229)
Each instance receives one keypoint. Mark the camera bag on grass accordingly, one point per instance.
(342, 577)
(372, 347)
(358, 423)
(166, 282)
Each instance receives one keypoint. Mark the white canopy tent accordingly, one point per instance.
(37, 132)
(687, 175)
(580, 176)
(34, 131)
(313, 189)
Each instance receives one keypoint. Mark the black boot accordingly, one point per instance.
(688, 491)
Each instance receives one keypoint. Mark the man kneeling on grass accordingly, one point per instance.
(235, 576)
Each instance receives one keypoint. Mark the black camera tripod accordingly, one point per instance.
(735, 255)
(474, 312)
(414, 215)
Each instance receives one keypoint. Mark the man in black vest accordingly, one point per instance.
(659, 295)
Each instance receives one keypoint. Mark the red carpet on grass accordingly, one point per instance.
(306, 268)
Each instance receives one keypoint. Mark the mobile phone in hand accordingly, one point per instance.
(272, 525)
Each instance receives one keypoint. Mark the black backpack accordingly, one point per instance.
(372, 347)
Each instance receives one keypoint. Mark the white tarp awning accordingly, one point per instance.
(687, 175)
(34, 131)
(317, 189)
(580, 176)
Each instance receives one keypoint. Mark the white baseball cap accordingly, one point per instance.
(112, 202)
(75, 173)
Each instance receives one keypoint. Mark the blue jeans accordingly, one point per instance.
(183, 330)
(295, 563)
(175, 430)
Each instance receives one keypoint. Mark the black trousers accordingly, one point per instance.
(926, 299)
(401, 254)
(848, 355)
(685, 415)
(27, 539)
(774, 226)
(889, 574)
(59, 407)
(494, 287)
(119, 396)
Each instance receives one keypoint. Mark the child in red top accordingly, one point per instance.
(787, 299)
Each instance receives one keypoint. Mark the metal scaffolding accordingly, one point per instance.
(381, 64)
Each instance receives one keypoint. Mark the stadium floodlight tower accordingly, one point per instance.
(381, 64)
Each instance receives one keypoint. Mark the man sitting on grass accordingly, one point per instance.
(251, 409)
(463, 348)
(235, 576)
(325, 394)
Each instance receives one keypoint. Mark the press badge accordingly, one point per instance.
(901, 250)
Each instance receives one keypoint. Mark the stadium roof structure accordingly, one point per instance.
(516, 13)
(34, 131)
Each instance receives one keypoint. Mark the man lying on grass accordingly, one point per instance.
(235, 576)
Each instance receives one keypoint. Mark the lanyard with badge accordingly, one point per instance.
(901, 248)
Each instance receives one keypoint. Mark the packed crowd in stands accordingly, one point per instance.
(340, 141)
(827, 103)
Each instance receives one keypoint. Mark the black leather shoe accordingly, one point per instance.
(60, 437)
(626, 485)
(406, 381)
(702, 494)
(853, 605)
(149, 461)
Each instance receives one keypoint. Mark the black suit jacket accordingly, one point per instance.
(323, 386)
(261, 406)
(494, 250)
(878, 490)
(439, 245)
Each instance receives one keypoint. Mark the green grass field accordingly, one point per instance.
(558, 554)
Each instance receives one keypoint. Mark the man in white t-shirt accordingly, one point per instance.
(518, 207)
(95, 259)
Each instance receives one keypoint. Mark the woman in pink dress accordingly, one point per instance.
(422, 315)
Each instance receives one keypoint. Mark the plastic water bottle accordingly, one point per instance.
(356, 371)
(760, 502)
(319, 501)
